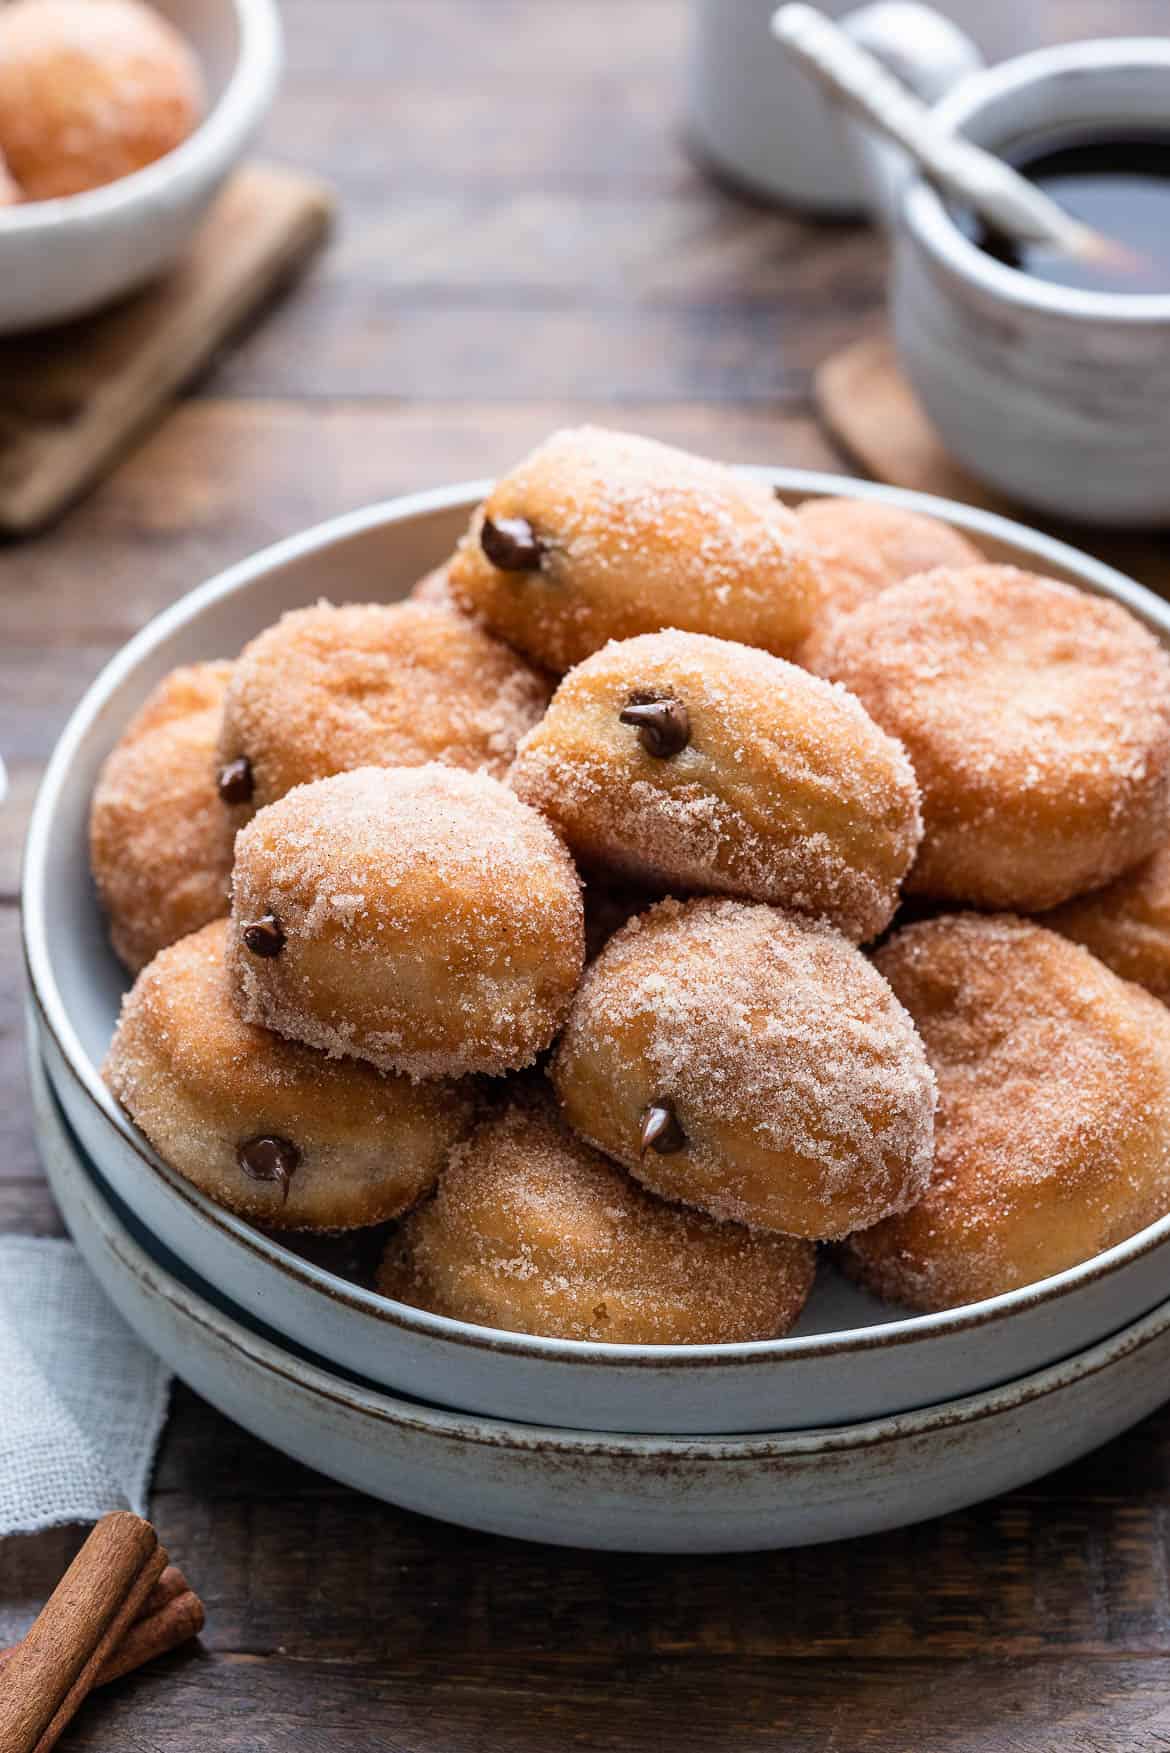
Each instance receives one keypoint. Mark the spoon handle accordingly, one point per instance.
(852, 76)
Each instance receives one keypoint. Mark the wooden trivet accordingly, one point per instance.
(869, 408)
(73, 398)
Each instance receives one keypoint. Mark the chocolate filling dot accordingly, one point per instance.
(664, 726)
(511, 544)
(264, 937)
(235, 782)
(661, 1131)
(269, 1158)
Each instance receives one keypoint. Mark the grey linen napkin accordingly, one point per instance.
(82, 1401)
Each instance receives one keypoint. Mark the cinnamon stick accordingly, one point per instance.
(171, 1614)
(48, 1676)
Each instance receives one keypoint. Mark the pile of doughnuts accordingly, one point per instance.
(532, 912)
(90, 91)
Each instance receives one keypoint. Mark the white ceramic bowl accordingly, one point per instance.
(849, 1359)
(630, 1493)
(60, 259)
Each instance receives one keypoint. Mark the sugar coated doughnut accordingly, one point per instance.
(865, 546)
(1127, 924)
(1037, 718)
(160, 844)
(696, 763)
(1053, 1133)
(751, 1064)
(327, 689)
(263, 1126)
(423, 918)
(91, 90)
(532, 1231)
(599, 535)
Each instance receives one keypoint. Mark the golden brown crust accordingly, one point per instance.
(160, 843)
(864, 547)
(1037, 718)
(1053, 1130)
(532, 1231)
(1127, 924)
(430, 921)
(200, 1083)
(784, 791)
(799, 1083)
(636, 536)
(90, 91)
(331, 688)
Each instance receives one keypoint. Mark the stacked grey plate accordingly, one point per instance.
(862, 1418)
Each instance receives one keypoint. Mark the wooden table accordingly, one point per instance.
(525, 243)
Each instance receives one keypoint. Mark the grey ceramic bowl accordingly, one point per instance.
(61, 259)
(629, 1493)
(849, 1359)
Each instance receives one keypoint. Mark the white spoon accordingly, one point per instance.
(1008, 203)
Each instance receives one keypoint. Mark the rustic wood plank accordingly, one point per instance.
(74, 398)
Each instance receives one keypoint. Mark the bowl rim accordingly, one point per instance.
(53, 1019)
(368, 1400)
(217, 140)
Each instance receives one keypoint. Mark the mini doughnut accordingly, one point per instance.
(328, 689)
(865, 546)
(694, 763)
(419, 917)
(261, 1125)
(1053, 1131)
(91, 90)
(160, 844)
(1037, 718)
(1127, 925)
(599, 535)
(751, 1064)
(532, 1231)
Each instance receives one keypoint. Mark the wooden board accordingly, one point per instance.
(869, 408)
(73, 398)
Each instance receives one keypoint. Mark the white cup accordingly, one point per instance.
(756, 119)
(1058, 397)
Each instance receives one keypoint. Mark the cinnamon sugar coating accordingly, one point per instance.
(601, 535)
(1053, 1131)
(422, 918)
(866, 546)
(797, 1081)
(331, 688)
(784, 789)
(202, 1085)
(1127, 924)
(532, 1231)
(434, 590)
(160, 844)
(91, 90)
(1037, 718)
